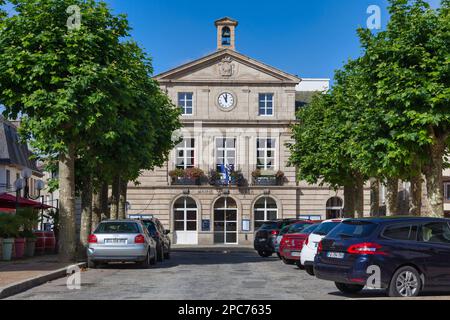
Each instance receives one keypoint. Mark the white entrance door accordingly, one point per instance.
(225, 221)
(185, 221)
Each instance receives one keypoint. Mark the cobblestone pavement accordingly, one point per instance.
(197, 275)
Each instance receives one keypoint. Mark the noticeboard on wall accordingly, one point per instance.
(245, 225)
(206, 225)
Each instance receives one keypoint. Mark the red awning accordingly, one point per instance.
(9, 201)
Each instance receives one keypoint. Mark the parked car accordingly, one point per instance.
(278, 240)
(161, 236)
(309, 249)
(294, 227)
(121, 241)
(264, 242)
(292, 243)
(412, 254)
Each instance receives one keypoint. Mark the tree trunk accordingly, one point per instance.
(67, 232)
(123, 198)
(374, 197)
(104, 207)
(349, 201)
(392, 197)
(115, 198)
(415, 195)
(96, 210)
(359, 196)
(86, 215)
(434, 181)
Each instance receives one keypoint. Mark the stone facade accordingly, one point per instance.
(225, 95)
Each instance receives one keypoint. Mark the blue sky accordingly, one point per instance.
(303, 37)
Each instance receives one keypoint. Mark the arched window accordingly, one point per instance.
(265, 210)
(225, 221)
(335, 206)
(226, 36)
(185, 214)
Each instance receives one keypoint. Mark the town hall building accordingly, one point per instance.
(230, 172)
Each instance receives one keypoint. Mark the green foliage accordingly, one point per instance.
(9, 225)
(388, 109)
(28, 219)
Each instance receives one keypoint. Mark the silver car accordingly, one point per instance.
(121, 241)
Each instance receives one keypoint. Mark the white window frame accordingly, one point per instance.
(185, 220)
(265, 210)
(183, 103)
(225, 150)
(446, 185)
(186, 150)
(266, 101)
(265, 150)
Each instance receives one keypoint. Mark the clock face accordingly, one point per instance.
(226, 100)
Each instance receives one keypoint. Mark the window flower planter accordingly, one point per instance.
(266, 181)
(185, 181)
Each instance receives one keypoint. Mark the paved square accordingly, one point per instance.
(196, 275)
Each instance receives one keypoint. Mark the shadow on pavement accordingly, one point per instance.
(199, 258)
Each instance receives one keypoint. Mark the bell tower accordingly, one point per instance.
(226, 33)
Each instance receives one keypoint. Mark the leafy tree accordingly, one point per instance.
(62, 81)
(408, 65)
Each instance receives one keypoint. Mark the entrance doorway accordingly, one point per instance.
(185, 221)
(225, 221)
(335, 207)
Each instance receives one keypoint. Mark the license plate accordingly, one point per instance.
(262, 240)
(335, 255)
(295, 254)
(115, 241)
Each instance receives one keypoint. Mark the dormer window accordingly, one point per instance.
(226, 36)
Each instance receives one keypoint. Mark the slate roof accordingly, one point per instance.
(12, 152)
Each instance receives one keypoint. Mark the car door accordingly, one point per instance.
(434, 237)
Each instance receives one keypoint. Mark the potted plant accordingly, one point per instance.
(190, 176)
(280, 177)
(237, 177)
(9, 229)
(29, 219)
(194, 174)
(214, 177)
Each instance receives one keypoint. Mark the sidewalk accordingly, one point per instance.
(213, 248)
(20, 275)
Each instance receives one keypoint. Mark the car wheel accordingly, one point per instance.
(160, 253)
(152, 261)
(265, 254)
(405, 283)
(287, 261)
(145, 264)
(299, 265)
(91, 264)
(349, 288)
(309, 270)
(167, 254)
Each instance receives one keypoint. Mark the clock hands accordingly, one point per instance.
(226, 98)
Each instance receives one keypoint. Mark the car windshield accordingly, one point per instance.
(284, 230)
(298, 227)
(269, 226)
(324, 228)
(353, 229)
(117, 227)
(149, 225)
(307, 230)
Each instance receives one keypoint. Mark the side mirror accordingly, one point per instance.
(166, 232)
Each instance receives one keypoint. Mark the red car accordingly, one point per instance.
(292, 243)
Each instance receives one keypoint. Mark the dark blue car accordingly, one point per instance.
(402, 255)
